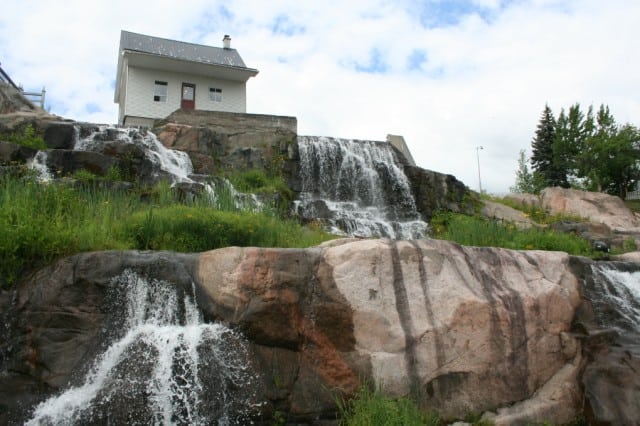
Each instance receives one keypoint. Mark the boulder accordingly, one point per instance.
(595, 206)
(435, 192)
(459, 329)
(11, 153)
(222, 141)
(507, 214)
(523, 199)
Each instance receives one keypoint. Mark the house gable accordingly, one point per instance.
(219, 76)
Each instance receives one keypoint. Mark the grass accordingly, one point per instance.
(478, 231)
(370, 408)
(41, 222)
(265, 184)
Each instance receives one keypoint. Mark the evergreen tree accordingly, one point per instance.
(542, 158)
(568, 144)
(524, 178)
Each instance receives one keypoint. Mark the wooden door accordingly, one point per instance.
(188, 96)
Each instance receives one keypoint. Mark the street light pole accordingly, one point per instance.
(478, 148)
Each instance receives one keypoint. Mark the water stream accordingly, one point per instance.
(165, 367)
(616, 297)
(356, 188)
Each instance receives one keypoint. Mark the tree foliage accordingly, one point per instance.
(525, 181)
(543, 159)
(584, 150)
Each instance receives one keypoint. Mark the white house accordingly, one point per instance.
(157, 76)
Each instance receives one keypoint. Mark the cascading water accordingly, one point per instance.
(39, 164)
(166, 367)
(617, 295)
(357, 188)
(176, 164)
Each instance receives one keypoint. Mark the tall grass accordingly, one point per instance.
(370, 408)
(477, 231)
(40, 222)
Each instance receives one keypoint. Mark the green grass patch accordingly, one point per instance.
(478, 231)
(193, 229)
(41, 222)
(633, 205)
(369, 408)
(268, 185)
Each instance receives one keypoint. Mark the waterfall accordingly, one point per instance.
(356, 188)
(39, 164)
(618, 295)
(165, 367)
(176, 164)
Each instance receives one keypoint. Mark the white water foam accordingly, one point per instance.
(166, 339)
(357, 188)
(176, 163)
(622, 289)
(39, 164)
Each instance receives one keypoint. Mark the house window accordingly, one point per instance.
(215, 94)
(160, 91)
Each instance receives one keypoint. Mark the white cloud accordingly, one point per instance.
(481, 82)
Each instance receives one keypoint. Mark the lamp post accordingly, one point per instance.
(478, 148)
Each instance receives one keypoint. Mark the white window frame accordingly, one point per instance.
(215, 94)
(160, 91)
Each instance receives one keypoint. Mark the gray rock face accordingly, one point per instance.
(460, 329)
(435, 191)
(609, 323)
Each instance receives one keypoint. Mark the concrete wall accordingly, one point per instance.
(139, 91)
(401, 146)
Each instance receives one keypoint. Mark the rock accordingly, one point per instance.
(633, 256)
(609, 320)
(435, 192)
(507, 214)
(461, 329)
(60, 135)
(612, 383)
(11, 100)
(223, 141)
(11, 153)
(523, 199)
(597, 207)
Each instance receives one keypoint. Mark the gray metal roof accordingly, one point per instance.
(180, 50)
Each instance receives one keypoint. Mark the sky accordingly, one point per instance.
(449, 76)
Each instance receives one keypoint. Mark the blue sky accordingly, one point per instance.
(447, 75)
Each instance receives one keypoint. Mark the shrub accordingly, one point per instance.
(369, 408)
(28, 137)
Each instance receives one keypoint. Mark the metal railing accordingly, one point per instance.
(35, 97)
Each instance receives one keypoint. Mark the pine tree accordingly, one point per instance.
(542, 158)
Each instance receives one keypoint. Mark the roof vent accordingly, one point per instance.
(226, 41)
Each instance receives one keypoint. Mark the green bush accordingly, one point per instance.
(369, 408)
(262, 183)
(478, 231)
(27, 137)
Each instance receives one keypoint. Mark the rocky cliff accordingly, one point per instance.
(460, 329)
